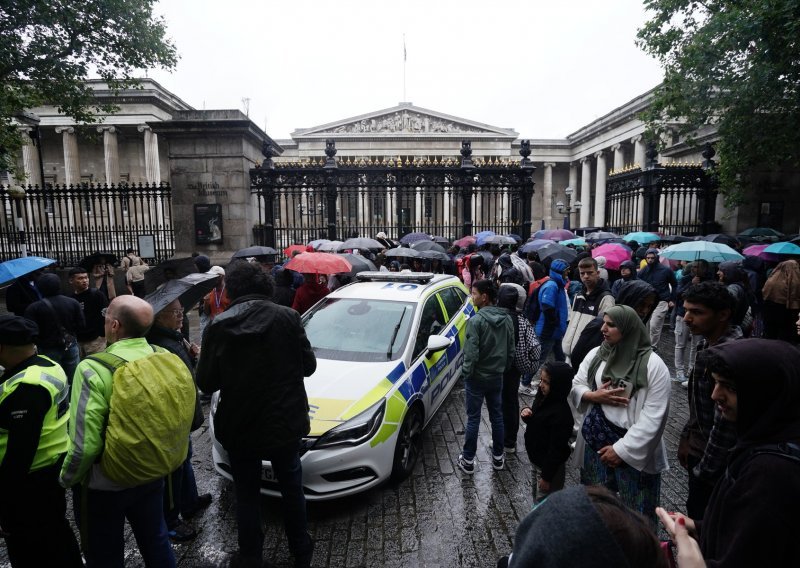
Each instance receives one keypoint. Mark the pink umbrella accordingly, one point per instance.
(614, 253)
(758, 250)
(465, 241)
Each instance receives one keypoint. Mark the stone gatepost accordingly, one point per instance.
(210, 156)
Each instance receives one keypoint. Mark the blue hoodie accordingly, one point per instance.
(553, 297)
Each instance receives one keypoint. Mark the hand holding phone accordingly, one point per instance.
(628, 386)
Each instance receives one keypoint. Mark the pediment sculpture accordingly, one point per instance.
(404, 122)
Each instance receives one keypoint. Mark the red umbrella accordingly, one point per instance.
(465, 241)
(287, 252)
(318, 263)
(614, 253)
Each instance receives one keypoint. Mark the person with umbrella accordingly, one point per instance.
(309, 293)
(183, 500)
(23, 292)
(216, 301)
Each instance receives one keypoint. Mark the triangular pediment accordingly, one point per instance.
(404, 120)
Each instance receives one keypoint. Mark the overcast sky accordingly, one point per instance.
(544, 68)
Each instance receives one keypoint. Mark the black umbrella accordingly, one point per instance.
(554, 251)
(500, 240)
(88, 262)
(255, 251)
(428, 245)
(720, 238)
(441, 240)
(434, 255)
(599, 236)
(189, 290)
(171, 269)
(359, 263)
(675, 239)
(402, 252)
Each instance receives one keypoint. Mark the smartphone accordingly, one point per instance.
(628, 386)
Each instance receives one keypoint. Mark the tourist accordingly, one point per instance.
(686, 341)
(663, 280)
(623, 389)
(782, 302)
(593, 300)
(91, 337)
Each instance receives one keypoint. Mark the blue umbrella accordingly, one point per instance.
(12, 269)
(414, 237)
(697, 250)
(641, 237)
(534, 245)
(778, 248)
(480, 238)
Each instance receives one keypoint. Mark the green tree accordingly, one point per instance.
(48, 48)
(733, 64)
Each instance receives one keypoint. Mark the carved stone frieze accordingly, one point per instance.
(404, 121)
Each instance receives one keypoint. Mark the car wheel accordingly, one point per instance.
(408, 446)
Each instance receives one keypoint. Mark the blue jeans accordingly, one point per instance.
(182, 495)
(68, 358)
(476, 391)
(103, 528)
(246, 470)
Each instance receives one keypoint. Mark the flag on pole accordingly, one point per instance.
(405, 56)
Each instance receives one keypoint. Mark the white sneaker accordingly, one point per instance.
(679, 377)
(685, 384)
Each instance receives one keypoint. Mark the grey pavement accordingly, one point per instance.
(439, 517)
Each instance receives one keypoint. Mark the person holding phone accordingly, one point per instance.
(623, 388)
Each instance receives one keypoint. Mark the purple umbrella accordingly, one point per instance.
(534, 245)
(414, 237)
(555, 234)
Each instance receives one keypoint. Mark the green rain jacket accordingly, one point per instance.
(489, 347)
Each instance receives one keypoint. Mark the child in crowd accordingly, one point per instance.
(549, 428)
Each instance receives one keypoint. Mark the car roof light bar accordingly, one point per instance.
(421, 277)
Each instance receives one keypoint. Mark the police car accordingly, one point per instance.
(389, 349)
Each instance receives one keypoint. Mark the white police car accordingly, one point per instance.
(389, 349)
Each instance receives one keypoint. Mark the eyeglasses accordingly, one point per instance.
(176, 313)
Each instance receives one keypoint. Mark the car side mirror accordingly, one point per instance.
(438, 343)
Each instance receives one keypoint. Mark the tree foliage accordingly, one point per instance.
(734, 64)
(48, 48)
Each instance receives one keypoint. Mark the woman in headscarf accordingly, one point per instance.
(623, 387)
(782, 302)
(750, 520)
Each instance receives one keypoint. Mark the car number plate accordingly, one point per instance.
(268, 474)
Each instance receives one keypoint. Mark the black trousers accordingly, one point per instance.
(34, 518)
(510, 400)
(699, 492)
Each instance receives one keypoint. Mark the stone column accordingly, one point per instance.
(600, 190)
(418, 210)
(573, 183)
(30, 159)
(638, 150)
(446, 213)
(547, 195)
(72, 167)
(110, 153)
(505, 214)
(586, 189)
(619, 156)
(151, 163)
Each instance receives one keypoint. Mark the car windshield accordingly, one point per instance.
(350, 329)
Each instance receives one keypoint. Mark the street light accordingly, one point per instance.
(569, 207)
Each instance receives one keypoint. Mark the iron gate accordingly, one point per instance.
(676, 199)
(336, 198)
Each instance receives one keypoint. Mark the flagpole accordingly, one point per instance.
(404, 67)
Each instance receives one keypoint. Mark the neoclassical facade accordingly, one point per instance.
(157, 137)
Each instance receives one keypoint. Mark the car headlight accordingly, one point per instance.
(355, 431)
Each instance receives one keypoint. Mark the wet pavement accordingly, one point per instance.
(438, 517)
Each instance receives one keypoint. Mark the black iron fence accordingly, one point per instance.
(336, 198)
(676, 199)
(69, 222)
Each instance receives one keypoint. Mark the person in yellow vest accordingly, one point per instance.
(33, 439)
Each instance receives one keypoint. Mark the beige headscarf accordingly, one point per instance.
(783, 285)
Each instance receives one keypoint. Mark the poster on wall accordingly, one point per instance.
(208, 223)
(147, 246)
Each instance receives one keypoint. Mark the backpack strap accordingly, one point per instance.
(786, 450)
(110, 361)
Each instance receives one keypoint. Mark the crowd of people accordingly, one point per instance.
(575, 342)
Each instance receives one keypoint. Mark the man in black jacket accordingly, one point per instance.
(92, 336)
(663, 280)
(59, 318)
(257, 353)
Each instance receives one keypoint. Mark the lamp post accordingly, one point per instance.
(17, 193)
(569, 208)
